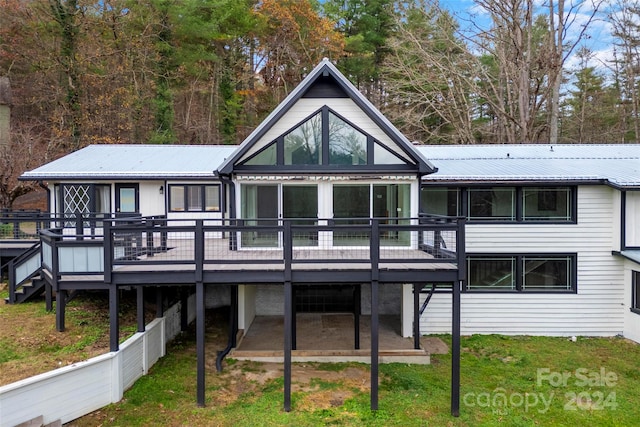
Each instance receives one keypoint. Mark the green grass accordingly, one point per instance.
(505, 380)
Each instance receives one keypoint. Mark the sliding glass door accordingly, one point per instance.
(259, 207)
(300, 203)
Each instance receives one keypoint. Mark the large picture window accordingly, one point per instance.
(522, 273)
(194, 198)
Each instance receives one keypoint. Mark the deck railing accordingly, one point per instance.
(273, 243)
(21, 224)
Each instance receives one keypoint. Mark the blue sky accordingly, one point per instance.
(598, 38)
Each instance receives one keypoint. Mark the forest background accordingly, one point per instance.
(79, 72)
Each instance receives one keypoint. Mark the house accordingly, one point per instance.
(317, 210)
(552, 237)
(329, 198)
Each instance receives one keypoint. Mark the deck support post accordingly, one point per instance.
(159, 302)
(114, 324)
(374, 345)
(455, 318)
(294, 313)
(416, 315)
(61, 302)
(375, 275)
(140, 308)
(48, 296)
(455, 350)
(184, 309)
(357, 294)
(287, 344)
(287, 243)
(200, 332)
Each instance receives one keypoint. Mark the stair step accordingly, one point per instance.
(56, 423)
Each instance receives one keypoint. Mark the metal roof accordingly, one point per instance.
(633, 255)
(135, 162)
(617, 164)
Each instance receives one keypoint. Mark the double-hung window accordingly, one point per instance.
(194, 198)
(522, 273)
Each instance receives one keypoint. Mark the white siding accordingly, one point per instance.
(151, 201)
(631, 319)
(594, 310)
(307, 106)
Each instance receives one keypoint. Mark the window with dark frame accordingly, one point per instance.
(522, 273)
(502, 204)
(635, 291)
(194, 198)
(324, 139)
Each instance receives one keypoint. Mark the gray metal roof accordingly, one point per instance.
(135, 162)
(633, 255)
(617, 164)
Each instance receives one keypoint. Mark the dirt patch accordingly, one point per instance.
(309, 380)
(434, 345)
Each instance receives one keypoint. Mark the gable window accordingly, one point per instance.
(303, 145)
(347, 145)
(325, 139)
(522, 273)
(194, 198)
(635, 291)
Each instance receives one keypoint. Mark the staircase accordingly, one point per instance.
(25, 281)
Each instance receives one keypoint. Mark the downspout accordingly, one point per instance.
(42, 185)
(227, 182)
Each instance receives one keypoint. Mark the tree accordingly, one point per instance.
(293, 39)
(366, 26)
(430, 78)
(593, 113)
(560, 19)
(626, 31)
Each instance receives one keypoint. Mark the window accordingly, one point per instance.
(546, 204)
(303, 145)
(347, 146)
(635, 291)
(502, 204)
(325, 138)
(439, 201)
(522, 273)
(194, 198)
(83, 199)
(492, 203)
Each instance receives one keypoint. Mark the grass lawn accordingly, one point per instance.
(515, 381)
